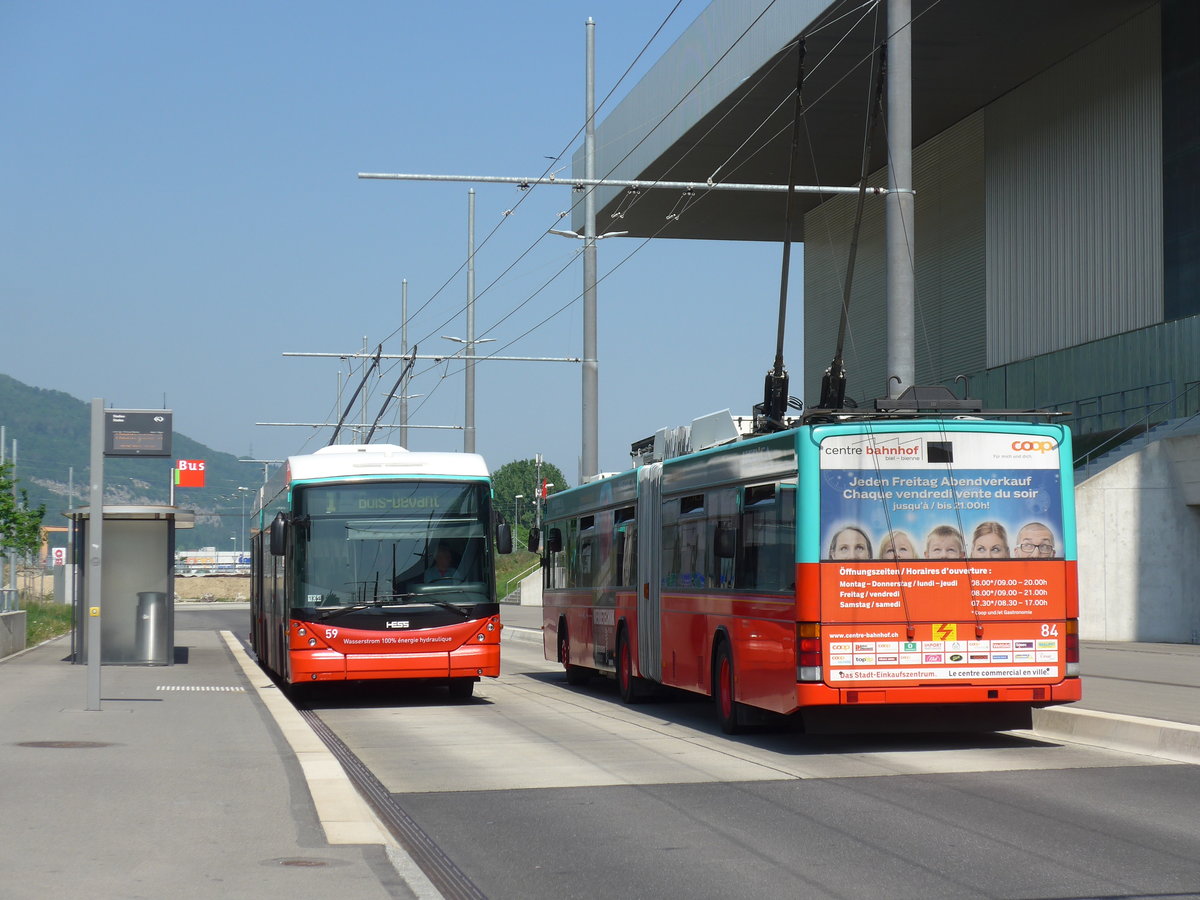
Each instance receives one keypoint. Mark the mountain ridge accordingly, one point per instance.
(52, 431)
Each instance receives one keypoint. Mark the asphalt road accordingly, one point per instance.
(536, 789)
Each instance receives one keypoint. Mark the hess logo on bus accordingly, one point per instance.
(397, 623)
(1035, 446)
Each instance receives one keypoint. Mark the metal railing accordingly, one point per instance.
(1185, 405)
(512, 585)
(1121, 409)
(10, 600)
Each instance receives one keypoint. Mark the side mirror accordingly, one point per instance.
(503, 538)
(725, 542)
(534, 539)
(554, 540)
(278, 534)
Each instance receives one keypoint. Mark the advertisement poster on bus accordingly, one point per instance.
(942, 555)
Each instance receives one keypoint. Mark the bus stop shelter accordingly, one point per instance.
(137, 608)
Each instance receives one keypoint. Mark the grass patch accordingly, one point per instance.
(45, 619)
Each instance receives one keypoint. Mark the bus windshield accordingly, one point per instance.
(392, 542)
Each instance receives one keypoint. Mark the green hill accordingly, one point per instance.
(52, 431)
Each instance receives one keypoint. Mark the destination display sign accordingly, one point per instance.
(137, 432)
(392, 499)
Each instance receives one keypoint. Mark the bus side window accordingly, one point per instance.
(670, 543)
(768, 533)
(556, 573)
(625, 546)
(588, 557)
(693, 544)
(722, 526)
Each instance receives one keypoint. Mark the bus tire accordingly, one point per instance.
(723, 692)
(632, 688)
(461, 688)
(576, 675)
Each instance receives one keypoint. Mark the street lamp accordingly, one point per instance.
(515, 499)
(244, 491)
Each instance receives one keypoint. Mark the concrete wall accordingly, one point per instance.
(531, 589)
(1139, 547)
(12, 632)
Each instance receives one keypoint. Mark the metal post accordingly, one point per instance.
(95, 554)
(362, 437)
(591, 416)
(899, 218)
(3, 438)
(469, 419)
(404, 349)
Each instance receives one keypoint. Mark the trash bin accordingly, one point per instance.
(151, 632)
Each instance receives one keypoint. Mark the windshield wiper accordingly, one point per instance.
(384, 600)
(394, 600)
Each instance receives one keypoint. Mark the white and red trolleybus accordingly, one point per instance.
(896, 574)
(371, 562)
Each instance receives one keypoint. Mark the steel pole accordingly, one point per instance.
(469, 419)
(403, 350)
(899, 210)
(591, 388)
(94, 555)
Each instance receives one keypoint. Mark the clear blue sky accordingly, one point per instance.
(180, 208)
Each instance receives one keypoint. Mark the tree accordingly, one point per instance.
(20, 528)
(521, 477)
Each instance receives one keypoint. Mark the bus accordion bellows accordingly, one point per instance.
(859, 573)
(373, 562)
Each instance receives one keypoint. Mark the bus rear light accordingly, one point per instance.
(1072, 647)
(808, 651)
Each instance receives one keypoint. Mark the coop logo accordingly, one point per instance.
(1036, 446)
(397, 623)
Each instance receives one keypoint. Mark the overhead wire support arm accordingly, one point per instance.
(439, 357)
(524, 183)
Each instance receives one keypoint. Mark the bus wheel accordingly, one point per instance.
(727, 707)
(461, 688)
(576, 675)
(633, 689)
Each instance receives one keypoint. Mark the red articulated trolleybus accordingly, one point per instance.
(373, 562)
(869, 572)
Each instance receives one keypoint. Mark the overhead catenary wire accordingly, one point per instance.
(657, 233)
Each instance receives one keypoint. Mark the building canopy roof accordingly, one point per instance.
(734, 123)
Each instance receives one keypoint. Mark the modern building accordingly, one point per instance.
(1056, 168)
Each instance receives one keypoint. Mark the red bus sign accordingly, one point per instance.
(189, 473)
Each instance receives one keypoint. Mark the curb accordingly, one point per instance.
(517, 634)
(1133, 734)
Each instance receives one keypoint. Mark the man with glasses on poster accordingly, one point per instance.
(1034, 541)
